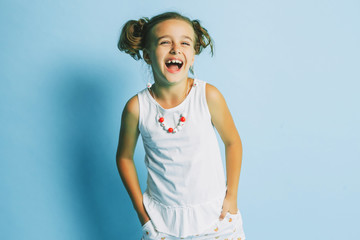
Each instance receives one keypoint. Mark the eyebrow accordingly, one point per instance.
(183, 36)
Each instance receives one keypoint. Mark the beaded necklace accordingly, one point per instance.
(160, 118)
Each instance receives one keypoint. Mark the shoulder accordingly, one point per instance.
(131, 108)
(216, 102)
(213, 95)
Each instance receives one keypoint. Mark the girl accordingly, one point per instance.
(187, 195)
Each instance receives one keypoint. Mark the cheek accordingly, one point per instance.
(156, 57)
(159, 54)
(191, 56)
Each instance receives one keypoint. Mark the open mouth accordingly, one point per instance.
(174, 65)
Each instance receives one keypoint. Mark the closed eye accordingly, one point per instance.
(164, 42)
(185, 43)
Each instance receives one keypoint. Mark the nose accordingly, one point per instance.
(175, 50)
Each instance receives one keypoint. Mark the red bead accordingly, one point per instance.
(182, 119)
(170, 130)
(161, 119)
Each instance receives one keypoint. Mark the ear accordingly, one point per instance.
(146, 56)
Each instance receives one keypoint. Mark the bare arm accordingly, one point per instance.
(225, 125)
(129, 134)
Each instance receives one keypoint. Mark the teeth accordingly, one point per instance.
(174, 61)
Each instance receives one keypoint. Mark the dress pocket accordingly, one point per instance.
(233, 214)
(231, 217)
(146, 224)
(148, 230)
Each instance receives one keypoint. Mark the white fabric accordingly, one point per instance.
(230, 227)
(186, 183)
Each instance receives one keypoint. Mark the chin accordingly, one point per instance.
(176, 78)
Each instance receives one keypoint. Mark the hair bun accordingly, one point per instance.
(140, 24)
(131, 37)
(203, 38)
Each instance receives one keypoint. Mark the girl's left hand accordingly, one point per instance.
(229, 205)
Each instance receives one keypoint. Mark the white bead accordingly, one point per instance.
(181, 123)
(148, 85)
(175, 130)
(162, 124)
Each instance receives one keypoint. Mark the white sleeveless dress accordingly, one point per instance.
(186, 183)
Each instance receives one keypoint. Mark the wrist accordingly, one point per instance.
(142, 214)
(231, 194)
(143, 218)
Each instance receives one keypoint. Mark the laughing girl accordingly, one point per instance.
(188, 195)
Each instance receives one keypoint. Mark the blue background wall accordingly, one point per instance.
(289, 71)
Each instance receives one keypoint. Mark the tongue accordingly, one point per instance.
(173, 67)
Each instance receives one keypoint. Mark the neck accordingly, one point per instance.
(169, 96)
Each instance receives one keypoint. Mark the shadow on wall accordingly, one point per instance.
(98, 203)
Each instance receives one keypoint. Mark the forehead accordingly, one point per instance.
(174, 28)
